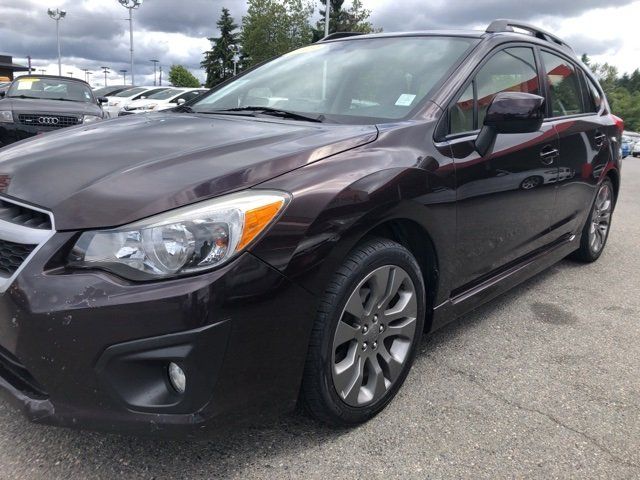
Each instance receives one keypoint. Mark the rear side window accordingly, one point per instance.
(593, 95)
(564, 86)
(509, 70)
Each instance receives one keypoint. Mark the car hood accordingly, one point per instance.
(118, 171)
(32, 105)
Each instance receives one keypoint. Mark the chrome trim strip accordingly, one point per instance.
(23, 235)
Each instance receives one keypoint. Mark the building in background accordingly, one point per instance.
(8, 68)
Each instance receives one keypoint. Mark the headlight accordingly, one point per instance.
(6, 116)
(150, 106)
(187, 240)
(91, 119)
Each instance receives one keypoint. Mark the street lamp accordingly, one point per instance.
(327, 14)
(58, 15)
(106, 70)
(124, 76)
(70, 74)
(89, 77)
(131, 5)
(155, 64)
(160, 79)
(235, 50)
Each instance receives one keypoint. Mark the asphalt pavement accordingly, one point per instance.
(541, 383)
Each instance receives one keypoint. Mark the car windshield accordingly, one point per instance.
(131, 92)
(165, 94)
(351, 81)
(51, 89)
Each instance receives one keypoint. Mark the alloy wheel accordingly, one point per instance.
(374, 335)
(601, 218)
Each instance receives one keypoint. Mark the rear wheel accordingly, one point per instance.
(369, 325)
(596, 231)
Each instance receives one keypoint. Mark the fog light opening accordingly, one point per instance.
(177, 378)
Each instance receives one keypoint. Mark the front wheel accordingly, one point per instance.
(369, 324)
(596, 230)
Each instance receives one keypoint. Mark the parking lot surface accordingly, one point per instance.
(541, 383)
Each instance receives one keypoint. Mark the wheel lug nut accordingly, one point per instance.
(364, 346)
(365, 329)
(375, 345)
(381, 329)
(375, 318)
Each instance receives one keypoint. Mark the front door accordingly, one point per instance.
(506, 198)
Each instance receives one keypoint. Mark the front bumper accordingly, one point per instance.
(87, 349)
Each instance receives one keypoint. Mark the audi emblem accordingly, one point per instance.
(48, 120)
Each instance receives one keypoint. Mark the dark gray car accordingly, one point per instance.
(37, 104)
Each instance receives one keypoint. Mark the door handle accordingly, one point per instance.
(548, 155)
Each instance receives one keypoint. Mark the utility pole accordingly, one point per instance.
(124, 76)
(327, 15)
(106, 70)
(155, 64)
(58, 15)
(131, 5)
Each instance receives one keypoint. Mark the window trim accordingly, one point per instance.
(472, 80)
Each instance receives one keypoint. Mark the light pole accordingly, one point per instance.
(160, 81)
(155, 64)
(124, 76)
(235, 50)
(89, 77)
(106, 70)
(86, 72)
(58, 15)
(70, 74)
(326, 18)
(131, 5)
(42, 70)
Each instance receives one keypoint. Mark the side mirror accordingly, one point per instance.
(181, 101)
(102, 100)
(510, 112)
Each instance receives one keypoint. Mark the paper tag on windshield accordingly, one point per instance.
(405, 100)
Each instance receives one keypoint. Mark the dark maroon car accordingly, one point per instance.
(291, 235)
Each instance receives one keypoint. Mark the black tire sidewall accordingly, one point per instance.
(392, 254)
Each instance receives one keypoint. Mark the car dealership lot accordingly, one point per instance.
(543, 382)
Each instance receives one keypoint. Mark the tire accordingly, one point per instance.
(350, 374)
(600, 215)
(530, 183)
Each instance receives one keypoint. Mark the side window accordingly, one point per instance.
(594, 94)
(564, 86)
(509, 70)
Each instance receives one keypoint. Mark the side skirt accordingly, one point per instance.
(467, 298)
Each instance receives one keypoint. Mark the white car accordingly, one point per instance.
(636, 149)
(164, 100)
(119, 100)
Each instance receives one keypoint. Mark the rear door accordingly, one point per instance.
(576, 111)
(506, 198)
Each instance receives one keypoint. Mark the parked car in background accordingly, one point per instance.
(287, 238)
(111, 90)
(116, 102)
(636, 149)
(626, 145)
(37, 104)
(4, 86)
(164, 100)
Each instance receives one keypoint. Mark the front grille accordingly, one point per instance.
(12, 255)
(10, 212)
(17, 375)
(45, 120)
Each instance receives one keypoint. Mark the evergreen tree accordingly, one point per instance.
(355, 19)
(218, 62)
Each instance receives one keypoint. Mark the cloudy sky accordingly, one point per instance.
(95, 32)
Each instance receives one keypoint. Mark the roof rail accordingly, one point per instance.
(503, 25)
(337, 35)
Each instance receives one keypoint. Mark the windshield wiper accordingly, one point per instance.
(24, 96)
(66, 100)
(276, 112)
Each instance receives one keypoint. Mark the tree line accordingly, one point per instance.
(623, 91)
(274, 27)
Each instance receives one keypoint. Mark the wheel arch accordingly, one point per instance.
(614, 176)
